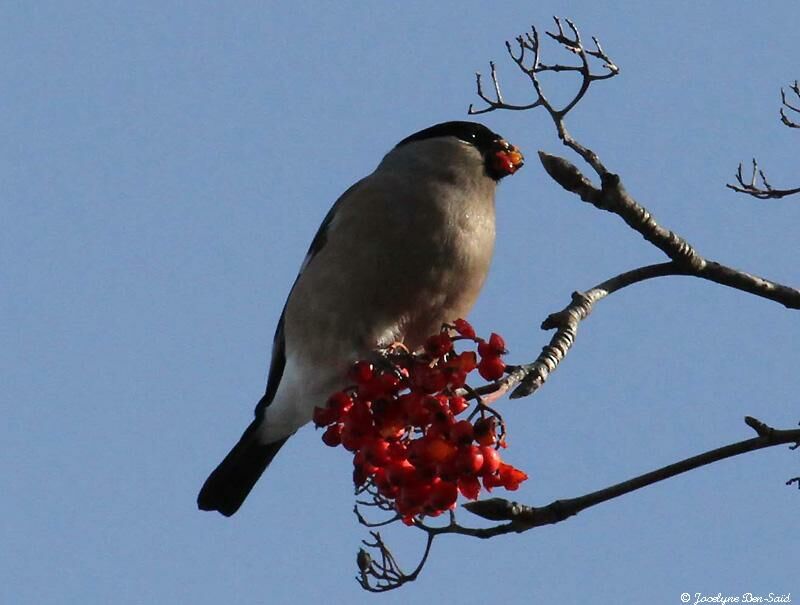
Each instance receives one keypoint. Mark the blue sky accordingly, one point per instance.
(164, 167)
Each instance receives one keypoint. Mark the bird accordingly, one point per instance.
(402, 251)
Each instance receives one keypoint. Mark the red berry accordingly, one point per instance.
(324, 416)
(361, 372)
(398, 451)
(491, 368)
(495, 346)
(415, 411)
(461, 432)
(400, 472)
(469, 487)
(441, 421)
(447, 470)
(491, 480)
(440, 427)
(391, 422)
(390, 382)
(436, 403)
(427, 380)
(464, 328)
(386, 489)
(360, 416)
(455, 377)
(413, 495)
(511, 477)
(491, 459)
(485, 431)
(352, 438)
(466, 361)
(381, 385)
(438, 345)
(439, 450)
(340, 402)
(458, 404)
(332, 435)
(376, 451)
(469, 460)
(442, 496)
(497, 343)
(417, 452)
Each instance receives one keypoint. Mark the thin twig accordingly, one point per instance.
(529, 45)
(385, 574)
(762, 191)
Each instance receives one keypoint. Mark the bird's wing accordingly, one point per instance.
(278, 360)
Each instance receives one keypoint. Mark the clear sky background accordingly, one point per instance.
(164, 167)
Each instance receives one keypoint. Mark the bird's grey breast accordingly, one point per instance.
(408, 248)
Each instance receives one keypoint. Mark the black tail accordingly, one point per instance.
(228, 486)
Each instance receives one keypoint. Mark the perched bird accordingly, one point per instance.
(402, 251)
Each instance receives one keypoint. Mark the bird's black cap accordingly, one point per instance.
(500, 158)
(471, 132)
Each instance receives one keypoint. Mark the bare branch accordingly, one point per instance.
(381, 572)
(764, 191)
(529, 44)
(527, 378)
(685, 260)
(366, 523)
(758, 186)
(613, 198)
(384, 573)
(524, 517)
(491, 105)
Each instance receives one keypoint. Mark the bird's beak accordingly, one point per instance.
(506, 159)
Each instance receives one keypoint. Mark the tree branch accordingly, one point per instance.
(531, 376)
(758, 186)
(685, 260)
(524, 517)
(528, 45)
(763, 191)
(382, 573)
(612, 197)
(385, 574)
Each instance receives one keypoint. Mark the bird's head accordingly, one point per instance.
(500, 158)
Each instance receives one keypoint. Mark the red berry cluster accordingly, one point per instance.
(401, 423)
